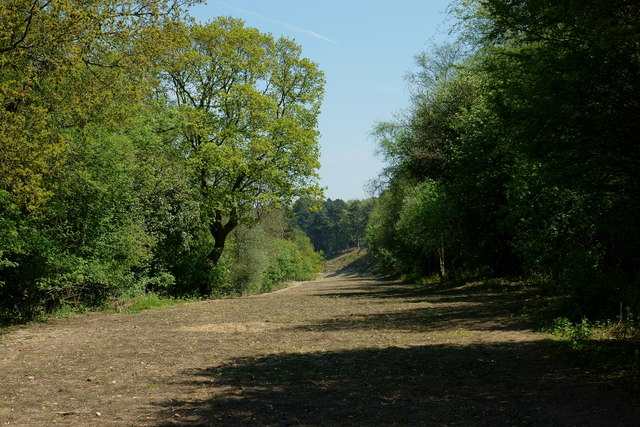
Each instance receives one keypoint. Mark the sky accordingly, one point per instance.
(365, 48)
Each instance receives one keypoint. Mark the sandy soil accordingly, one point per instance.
(343, 350)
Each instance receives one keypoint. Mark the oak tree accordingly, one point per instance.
(248, 105)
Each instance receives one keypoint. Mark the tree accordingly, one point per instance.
(354, 220)
(64, 64)
(74, 80)
(248, 107)
(338, 225)
(563, 86)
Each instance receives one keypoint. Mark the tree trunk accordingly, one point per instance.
(219, 231)
(442, 271)
(220, 239)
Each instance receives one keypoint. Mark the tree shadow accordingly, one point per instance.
(430, 319)
(497, 384)
(390, 288)
(394, 290)
(364, 288)
(351, 272)
(361, 265)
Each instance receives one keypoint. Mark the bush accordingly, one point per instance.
(268, 253)
(295, 260)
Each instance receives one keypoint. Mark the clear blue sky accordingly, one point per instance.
(365, 49)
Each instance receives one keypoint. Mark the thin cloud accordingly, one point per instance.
(302, 30)
(278, 22)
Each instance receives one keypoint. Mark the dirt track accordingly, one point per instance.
(345, 350)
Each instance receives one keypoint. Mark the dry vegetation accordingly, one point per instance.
(343, 350)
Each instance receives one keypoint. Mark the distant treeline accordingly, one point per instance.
(336, 226)
(520, 154)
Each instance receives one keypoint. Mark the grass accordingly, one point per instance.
(146, 301)
(129, 304)
(350, 259)
(278, 286)
(609, 347)
(64, 312)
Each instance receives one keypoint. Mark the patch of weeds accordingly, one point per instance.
(498, 285)
(611, 347)
(577, 333)
(230, 294)
(626, 327)
(423, 280)
(63, 312)
(148, 301)
(145, 301)
(278, 286)
(153, 385)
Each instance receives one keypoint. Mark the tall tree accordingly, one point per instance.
(248, 107)
(563, 85)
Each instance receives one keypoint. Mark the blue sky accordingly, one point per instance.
(365, 49)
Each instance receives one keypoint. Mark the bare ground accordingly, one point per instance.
(344, 350)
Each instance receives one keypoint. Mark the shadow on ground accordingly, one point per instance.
(505, 384)
(351, 262)
(469, 317)
(448, 307)
(390, 288)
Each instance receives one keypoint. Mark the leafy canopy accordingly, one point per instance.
(248, 107)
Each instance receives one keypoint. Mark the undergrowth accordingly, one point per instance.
(609, 347)
(624, 327)
(145, 301)
(606, 347)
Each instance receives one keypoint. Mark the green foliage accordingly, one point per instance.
(161, 284)
(80, 158)
(91, 239)
(609, 346)
(336, 225)
(444, 196)
(295, 260)
(67, 63)
(387, 249)
(625, 326)
(9, 231)
(573, 178)
(103, 194)
(148, 301)
(247, 106)
(268, 253)
(521, 154)
(576, 332)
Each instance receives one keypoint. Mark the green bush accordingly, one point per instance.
(576, 332)
(269, 253)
